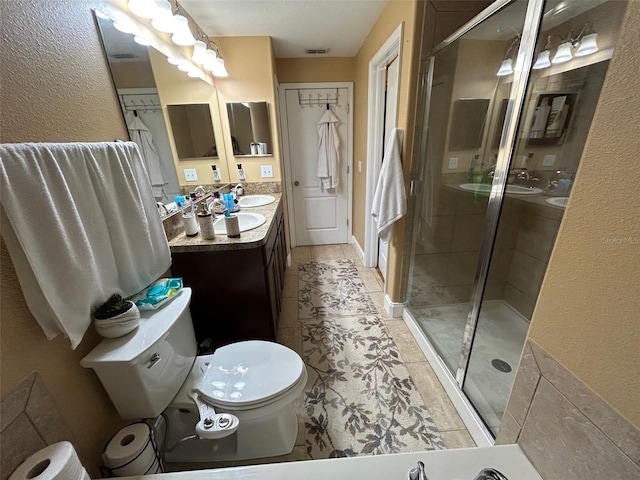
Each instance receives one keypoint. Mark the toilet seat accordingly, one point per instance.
(250, 374)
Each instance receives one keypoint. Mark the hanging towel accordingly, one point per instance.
(328, 151)
(141, 135)
(389, 199)
(80, 223)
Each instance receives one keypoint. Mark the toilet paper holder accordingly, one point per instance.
(113, 471)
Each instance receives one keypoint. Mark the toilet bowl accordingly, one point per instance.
(235, 404)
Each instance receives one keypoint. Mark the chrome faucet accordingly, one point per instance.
(490, 474)
(417, 472)
(199, 189)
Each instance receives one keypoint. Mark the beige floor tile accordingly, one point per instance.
(378, 301)
(410, 352)
(290, 337)
(327, 252)
(291, 287)
(289, 315)
(457, 439)
(351, 254)
(370, 282)
(442, 410)
(301, 254)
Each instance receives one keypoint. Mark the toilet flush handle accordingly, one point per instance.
(155, 358)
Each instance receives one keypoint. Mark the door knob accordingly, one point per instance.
(296, 183)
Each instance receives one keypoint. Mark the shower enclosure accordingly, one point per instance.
(504, 113)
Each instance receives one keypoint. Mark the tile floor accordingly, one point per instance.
(449, 425)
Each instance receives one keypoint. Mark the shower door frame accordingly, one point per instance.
(522, 73)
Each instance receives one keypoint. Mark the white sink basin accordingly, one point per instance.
(558, 201)
(514, 189)
(255, 200)
(246, 221)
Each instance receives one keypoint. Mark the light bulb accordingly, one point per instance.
(184, 66)
(219, 70)
(124, 25)
(506, 68)
(163, 19)
(543, 60)
(588, 45)
(173, 60)
(209, 62)
(182, 34)
(141, 41)
(563, 54)
(199, 51)
(143, 8)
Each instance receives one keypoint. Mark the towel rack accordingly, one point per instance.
(318, 100)
(130, 104)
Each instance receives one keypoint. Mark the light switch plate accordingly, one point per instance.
(548, 160)
(190, 175)
(453, 162)
(266, 171)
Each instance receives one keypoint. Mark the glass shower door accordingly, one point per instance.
(467, 106)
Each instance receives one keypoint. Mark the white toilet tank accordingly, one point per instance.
(144, 370)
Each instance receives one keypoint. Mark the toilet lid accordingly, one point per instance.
(247, 373)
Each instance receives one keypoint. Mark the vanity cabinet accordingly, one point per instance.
(236, 293)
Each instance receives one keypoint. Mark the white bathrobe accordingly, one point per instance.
(328, 151)
(390, 199)
(141, 135)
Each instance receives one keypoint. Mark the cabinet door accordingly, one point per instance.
(273, 288)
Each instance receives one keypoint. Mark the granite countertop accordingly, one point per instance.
(249, 239)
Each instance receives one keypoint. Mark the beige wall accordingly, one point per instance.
(310, 70)
(55, 90)
(251, 65)
(587, 314)
(132, 74)
(395, 13)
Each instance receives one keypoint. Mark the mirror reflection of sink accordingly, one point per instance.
(514, 189)
(246, 221)
(249, 201)
(558, 201)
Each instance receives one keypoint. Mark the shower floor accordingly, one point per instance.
(500, 334)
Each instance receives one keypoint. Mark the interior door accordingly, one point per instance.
(390, 116)
(320, 216)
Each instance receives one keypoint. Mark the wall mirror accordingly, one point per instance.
(141, 103)
(192, 130)
(250, 129)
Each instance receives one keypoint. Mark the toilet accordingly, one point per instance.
(235, 404)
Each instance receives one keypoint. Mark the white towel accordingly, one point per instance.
(389, 199)
(141, 135)
(328, 151)
(80, 223)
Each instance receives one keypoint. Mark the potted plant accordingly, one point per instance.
(116, 317)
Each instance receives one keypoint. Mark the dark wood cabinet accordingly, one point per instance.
(236, 293)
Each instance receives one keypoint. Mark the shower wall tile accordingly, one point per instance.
(563, 443)
(467, 233)
(524, 386)
(567, 431)
(519, 301)
(436, 236)
(468, 203)
(30, 422)
(18, 442)
(537, 235)
(526, 273)
(462, 268)
(591, 405)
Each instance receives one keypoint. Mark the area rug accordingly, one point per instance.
(359, 398)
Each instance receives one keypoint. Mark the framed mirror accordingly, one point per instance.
(192, 130)
(249, 128)
(143, 102)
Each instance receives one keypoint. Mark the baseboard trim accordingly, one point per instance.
(358, 248)
(394, 309)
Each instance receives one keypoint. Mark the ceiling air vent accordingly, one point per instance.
(123, 56)
(316, 51)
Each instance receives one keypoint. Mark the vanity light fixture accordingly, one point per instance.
(143, 8)
(563, 54)
(163, 19)
(140, 40)
(543, 60)
(214, 61)
(182, 33)
(124, 25)
(199, 51)
(506, 67)
(173, 60)
(588, 45)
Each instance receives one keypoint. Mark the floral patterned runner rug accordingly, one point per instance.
(359, 398)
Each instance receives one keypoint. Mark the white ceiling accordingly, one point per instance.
(295, 25)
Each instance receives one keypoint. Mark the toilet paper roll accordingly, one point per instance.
(131, 452)
(55, 462)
